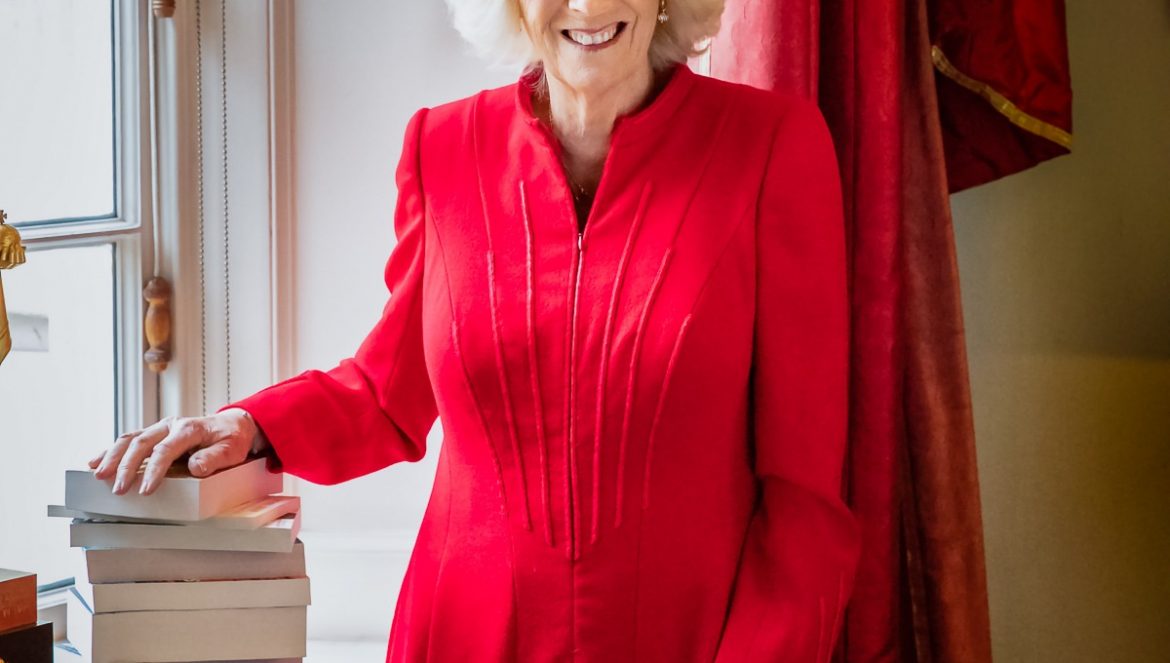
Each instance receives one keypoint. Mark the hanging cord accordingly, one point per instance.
(227, 261)
(199, 139)
(202, 228)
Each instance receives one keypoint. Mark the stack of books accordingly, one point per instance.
(22, 639)
(204, 569)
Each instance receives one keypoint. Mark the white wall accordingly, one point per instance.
(362, 68)
(1066, 284)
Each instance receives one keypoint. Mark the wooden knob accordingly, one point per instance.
(158, 323)
(163, 8)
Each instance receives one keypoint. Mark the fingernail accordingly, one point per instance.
(142, 489)
(117, 487)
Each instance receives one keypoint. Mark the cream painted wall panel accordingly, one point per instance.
(363, 67)
(1066, 287)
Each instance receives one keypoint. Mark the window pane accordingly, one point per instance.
(57, 406)
(57, 116)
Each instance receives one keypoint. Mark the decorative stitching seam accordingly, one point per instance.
(501, 369)
(603, 371)
(533, 366)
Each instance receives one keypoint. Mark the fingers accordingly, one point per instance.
(136, 451)
(184, 434)
(160, 445)
(96, 460)
(111, 457)
(216, 457)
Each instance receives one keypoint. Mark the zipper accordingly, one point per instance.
(553, 147)
(572, 437)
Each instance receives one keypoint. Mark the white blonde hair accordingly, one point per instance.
(495, 30)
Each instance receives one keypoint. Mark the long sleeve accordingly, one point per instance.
(799, 558)
(376, 407)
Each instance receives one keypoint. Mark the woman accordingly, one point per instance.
(621, 287)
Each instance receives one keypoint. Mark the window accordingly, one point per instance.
(72, 160)
(56, 395)
(57, 125)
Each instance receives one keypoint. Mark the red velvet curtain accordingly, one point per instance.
(1004, 90)
(910, 125)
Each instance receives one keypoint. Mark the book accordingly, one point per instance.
(199, 595)
(169, 636)
(31, 643)
(277, 536)
(108, 565)
(249, 515)
(179, 497)
(66, 653)
(18, 599)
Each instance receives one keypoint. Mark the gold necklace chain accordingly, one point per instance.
(579, 192)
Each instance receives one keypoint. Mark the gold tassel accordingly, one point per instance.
(11, 255)
(5, 335)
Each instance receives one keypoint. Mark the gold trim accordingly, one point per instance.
(1001, 103)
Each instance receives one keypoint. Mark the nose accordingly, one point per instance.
(587, 7)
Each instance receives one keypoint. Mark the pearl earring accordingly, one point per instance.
(662, 15)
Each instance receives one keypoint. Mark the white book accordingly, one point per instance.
(200, 595)
(106, 565)
(249, 515)
(277, 536)
(175, 636)
(179, 496)
(63, 652)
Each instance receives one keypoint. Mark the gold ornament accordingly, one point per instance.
(11, 255)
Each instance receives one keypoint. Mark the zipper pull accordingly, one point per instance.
(580, 236)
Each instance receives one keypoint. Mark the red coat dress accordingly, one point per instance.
(644, 423)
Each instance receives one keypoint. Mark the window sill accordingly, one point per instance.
(345, 651)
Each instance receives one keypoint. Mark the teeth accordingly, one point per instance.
(594, 38)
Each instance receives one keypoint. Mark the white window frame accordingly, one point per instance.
(132, 229)
(155, 227)
(260, 50)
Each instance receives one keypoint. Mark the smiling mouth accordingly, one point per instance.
(595, 39)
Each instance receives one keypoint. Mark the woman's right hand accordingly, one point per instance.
(218, 441)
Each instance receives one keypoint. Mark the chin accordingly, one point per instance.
(585, 74)
(592, 71)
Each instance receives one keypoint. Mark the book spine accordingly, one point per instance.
(18, 602)
(207, 595)
(180, 537)
(179, 635)
(28, 644)
(238, 486)
(112, 565)
(175, 499)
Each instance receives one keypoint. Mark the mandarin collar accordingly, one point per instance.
(645, 122)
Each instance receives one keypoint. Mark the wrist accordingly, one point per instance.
(259, 440)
